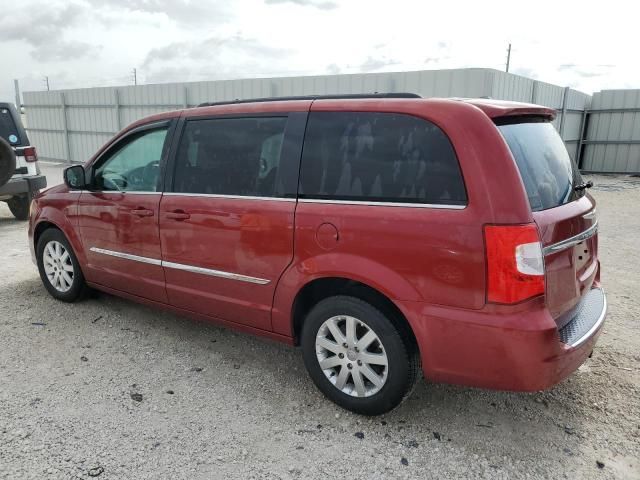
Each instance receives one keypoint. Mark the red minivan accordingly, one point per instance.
(386, 235)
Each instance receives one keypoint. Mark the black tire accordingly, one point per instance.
(19, 206)
(402, 357)
(7, 161)
(78, 287)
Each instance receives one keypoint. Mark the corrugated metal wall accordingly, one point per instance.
(73, 124)
(612, 142)
(569, 103)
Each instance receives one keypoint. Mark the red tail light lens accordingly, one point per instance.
(30, 154)
(515, 265)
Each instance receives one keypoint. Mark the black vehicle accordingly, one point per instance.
(20, 174)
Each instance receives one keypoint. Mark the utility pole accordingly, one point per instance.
(46, 81)
(135, 77)
(16, 85)
(508, 58)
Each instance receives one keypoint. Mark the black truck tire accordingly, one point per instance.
(7, 161)
(19, 205)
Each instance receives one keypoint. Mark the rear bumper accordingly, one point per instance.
(18, 185)
(519, 349)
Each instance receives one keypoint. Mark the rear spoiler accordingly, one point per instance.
(498, 109)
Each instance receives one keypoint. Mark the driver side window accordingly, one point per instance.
(134, 166)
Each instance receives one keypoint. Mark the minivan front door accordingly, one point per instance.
(226, 227)
(118, 217)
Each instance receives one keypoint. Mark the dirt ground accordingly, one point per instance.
(111, 389)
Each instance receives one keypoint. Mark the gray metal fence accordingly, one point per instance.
(612, 140)
(70, 125)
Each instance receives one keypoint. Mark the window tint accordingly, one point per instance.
(134, 166)
(379, 157)
(231, 156)
(547, 171)
(8, 129)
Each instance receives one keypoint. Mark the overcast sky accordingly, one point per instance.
(87, 43)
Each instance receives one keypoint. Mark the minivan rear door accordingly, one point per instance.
(564, 213)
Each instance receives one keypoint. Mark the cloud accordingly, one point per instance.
(582, 72)
(333, 69)
(210, 48)
(372, 64)
(216, 57)
(63, 50)
(184, 12)
(525, 72)
(320, 4)
(42, 25)
(44, 29)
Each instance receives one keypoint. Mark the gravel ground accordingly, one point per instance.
(111, 389)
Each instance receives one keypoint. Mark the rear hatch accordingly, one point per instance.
(564, 213)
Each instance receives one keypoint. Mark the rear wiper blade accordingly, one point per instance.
(583, 186)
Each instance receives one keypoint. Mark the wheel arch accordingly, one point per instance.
(40, 228)
(51, 218)
(324, 287)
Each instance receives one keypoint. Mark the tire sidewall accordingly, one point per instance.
(77, 287)
(399, 379)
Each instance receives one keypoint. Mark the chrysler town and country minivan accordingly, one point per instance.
(386, 235)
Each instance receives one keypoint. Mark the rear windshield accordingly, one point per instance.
(548, 173)
(8, 129)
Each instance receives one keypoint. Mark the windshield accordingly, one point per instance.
(8, 129)
(548, 173)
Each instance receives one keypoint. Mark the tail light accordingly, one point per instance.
(30, 154)
(515, 265)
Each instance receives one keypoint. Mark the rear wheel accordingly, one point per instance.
(58, 266)
(357, 356)
(19, 206)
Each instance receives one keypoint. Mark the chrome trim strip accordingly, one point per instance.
(127, 256)
(384, 204)
(121, 192)
(595, 326)
(590, 215)
(216, 273)
(234, 197)
(179, 266)
(571, 242)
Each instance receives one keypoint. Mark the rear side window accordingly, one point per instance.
(548, 173)
(8, 129)
(230, 156)
(379, 157)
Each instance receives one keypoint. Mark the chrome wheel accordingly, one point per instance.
(58, 266)
(351, 356)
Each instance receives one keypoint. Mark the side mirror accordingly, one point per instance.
(74, 177)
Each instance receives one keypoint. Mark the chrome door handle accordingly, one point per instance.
(178, 215)
(142, 212)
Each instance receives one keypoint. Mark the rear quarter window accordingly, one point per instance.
(548, 173)
(379, 157)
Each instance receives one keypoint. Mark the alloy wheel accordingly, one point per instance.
(351, 356)
(58, 266)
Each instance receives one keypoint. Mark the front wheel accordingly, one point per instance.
(357, 356)
(58, 266)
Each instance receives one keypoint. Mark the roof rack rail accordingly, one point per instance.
(348, 96)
